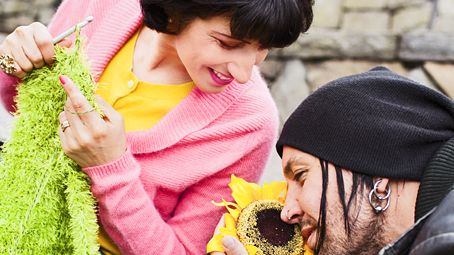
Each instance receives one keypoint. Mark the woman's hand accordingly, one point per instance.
(231, 245)
(30, 47)
(86, 137)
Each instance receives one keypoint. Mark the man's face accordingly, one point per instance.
(303, 174)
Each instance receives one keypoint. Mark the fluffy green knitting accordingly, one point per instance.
(45, 202)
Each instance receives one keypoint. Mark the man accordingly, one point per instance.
(365, 157)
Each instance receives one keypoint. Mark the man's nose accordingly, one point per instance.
(291, 214)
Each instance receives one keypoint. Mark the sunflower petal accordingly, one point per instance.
(273, 190)
(232, 208)
(252, 250)
(215, 244)
(307, 250)
(243, 192)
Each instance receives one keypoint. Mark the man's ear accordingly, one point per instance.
(382, 186)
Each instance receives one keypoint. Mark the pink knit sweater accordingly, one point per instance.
(156, 198)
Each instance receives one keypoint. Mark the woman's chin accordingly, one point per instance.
(208, 88)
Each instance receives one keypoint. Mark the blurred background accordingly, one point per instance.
(412, 37)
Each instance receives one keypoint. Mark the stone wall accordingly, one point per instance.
(14, 13)
(412, 37)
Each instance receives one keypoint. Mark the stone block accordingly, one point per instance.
(418, 74)
(45, 15)
(15, 6)
(396, 4)
(290, 88)
(335, 44)
(365, 4)
(427, 45)
(12, 23)
(366, 22)
(271, 68)
(327, 13)
(444, 24)
(411, 18)
(318, 74)
(442, 75)
(445, 7)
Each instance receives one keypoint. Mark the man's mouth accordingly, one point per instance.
(309, 236)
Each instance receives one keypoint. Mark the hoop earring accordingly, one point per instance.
(377, 201)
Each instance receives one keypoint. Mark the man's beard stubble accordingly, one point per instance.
(367, 236)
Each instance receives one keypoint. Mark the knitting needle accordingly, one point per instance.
(68, 32)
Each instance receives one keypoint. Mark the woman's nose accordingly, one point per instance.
(241, 67)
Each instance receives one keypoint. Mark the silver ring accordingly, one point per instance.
(81, 113)
(286, 215)
(64, 125)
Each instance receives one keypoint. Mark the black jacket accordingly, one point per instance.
(433, 233)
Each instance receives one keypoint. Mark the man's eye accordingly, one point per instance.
(299, 175)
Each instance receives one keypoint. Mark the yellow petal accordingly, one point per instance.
(307, 250)
(233, 208)
(252, 250)
(215, 244)
(228, 232)
(229, 221)
(274, 190)
(243, 192)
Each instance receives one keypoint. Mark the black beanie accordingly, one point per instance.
(375, 123)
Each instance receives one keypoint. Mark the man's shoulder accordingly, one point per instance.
(432, 234)
(437, 234)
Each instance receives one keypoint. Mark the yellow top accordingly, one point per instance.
(141, 104)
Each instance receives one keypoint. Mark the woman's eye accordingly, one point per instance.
(228, 46)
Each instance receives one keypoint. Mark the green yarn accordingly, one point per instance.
(46, 206)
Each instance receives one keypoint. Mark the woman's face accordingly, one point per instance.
(213, 58)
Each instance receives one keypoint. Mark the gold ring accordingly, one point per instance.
(64, 125)
(7, 64)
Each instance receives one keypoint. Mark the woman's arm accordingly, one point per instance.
(128, 213)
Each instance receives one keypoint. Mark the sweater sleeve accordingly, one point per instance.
(8, 85)
(129, 216)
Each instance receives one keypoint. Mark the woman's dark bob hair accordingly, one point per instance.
(272, 23)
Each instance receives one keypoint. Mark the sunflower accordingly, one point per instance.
(255, 220)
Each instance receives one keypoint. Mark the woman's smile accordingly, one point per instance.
(220, 79)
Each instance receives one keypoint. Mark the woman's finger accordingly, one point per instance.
(21, 59)
(43, 41)
(78, 105)
(65, 43)
(67, 140)
(233, 247)
(31, 50)
(110, 114)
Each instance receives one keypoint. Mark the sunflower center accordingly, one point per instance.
(273, 229)
(259, 225)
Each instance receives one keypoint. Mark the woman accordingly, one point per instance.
(181, 76)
